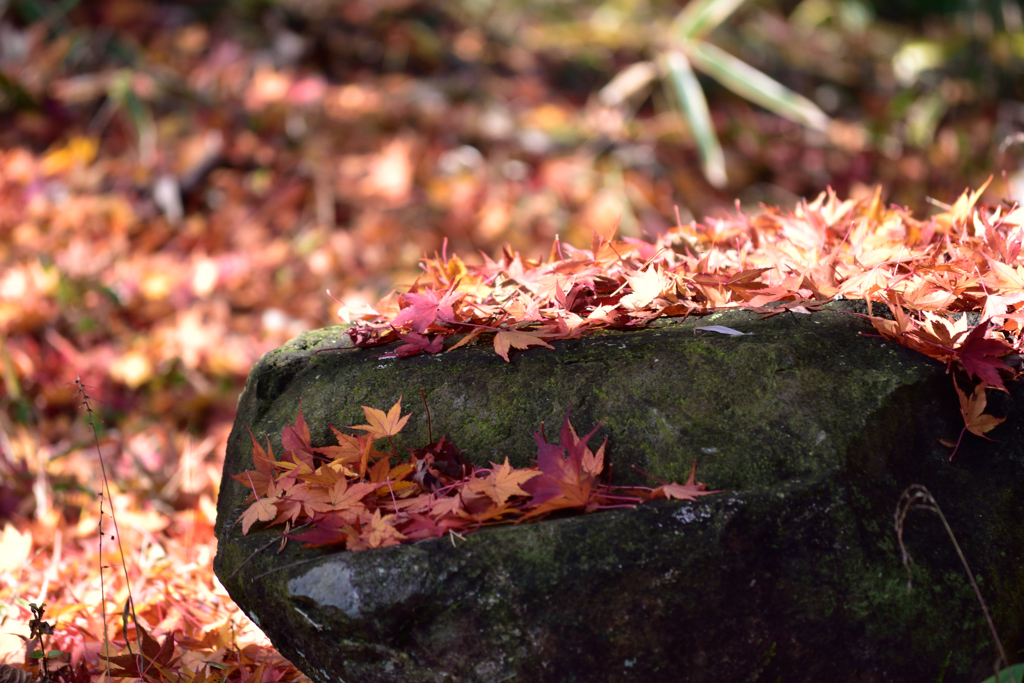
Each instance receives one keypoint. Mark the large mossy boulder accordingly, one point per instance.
(811, 425)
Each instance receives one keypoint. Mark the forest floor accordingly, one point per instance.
(178, 196)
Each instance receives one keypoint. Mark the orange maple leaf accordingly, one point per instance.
(255, 481)
(345, 500)
(325, 476)
(263, 510)
(381, 425)
(942, 331)
(502, 483)
(592, 463)
(378, 532)
(973, 410)
(505, 339)
(264, 463)
(960, 211)
(691, 490)
(348, 448)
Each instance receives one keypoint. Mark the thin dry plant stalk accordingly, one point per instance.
(917, 496)
(130, 604)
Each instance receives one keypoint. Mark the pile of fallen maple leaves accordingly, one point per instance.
(928, 274)
(433, 493)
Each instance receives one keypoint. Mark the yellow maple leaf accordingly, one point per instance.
(380, 425)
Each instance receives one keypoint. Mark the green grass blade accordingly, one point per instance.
(688, 94)
(700, 17)
(753, 85)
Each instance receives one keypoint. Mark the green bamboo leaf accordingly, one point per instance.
(753, 85)
(700, 17)
(688, 94)
(627, 83)
(923, 118)
(1013, 674)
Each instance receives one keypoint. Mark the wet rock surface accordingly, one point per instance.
(813, 429)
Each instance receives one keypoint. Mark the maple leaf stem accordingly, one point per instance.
(611, 496)
(252, 485)
(957, 447)
(392, 491)
(649, 476)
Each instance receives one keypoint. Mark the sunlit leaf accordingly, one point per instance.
(380, 425)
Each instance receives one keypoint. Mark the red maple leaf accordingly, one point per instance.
(563, 482)
(295, 439)
(328, 530)
(154, 664)
(980, 356)
(420, 526)
(418, 343)
(425, 308)
(258, 480)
